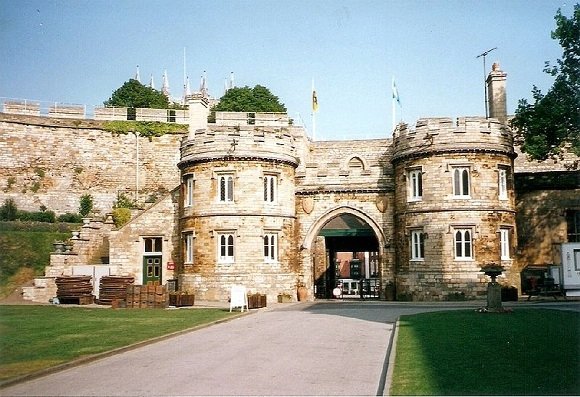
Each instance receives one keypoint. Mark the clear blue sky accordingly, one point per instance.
(81, 51)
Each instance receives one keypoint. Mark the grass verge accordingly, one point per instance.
(39, 337)
(527, 352)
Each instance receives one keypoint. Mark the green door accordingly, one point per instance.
(152, 269)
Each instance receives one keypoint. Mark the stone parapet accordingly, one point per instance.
(248, 142)
(443, 135)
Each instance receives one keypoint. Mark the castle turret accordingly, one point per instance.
(496, 93)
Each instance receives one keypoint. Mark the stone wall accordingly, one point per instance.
(53, 162)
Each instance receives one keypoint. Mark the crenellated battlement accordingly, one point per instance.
(469, 134)
(242, 142)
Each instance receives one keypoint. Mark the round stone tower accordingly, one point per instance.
(454, 206)
(238, 208)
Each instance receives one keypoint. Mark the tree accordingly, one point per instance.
(553, 120)
(133, 94)
(246, 99)
(86, 204)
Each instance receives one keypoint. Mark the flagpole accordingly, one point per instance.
(393, 100)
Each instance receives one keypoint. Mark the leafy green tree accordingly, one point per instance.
(553, 120)
(86, 204)
(133, 94)
(246, 99)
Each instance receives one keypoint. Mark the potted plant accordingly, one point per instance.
(301, 290)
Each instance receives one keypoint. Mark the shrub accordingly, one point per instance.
(9, 211)
(121, 216)
(86, 204)
(70, 218)
(37, 216)
(124, 202)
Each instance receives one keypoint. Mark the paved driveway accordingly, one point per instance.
(334, 348)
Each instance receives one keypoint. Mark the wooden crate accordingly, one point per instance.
(179, 300)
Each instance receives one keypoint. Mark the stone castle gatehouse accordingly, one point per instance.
(412, 217)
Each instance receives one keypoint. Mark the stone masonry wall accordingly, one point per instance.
(53, 162)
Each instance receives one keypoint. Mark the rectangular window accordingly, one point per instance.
(270, 188)
(226, 187)
(270, 247)
(152, 244)
(504, 241)
(189, 184)
(226, 248)
(417, 245)
(573, 226)
(189, 239)
(463, 244)
(415, 184)
(461, 184)
(502, 184)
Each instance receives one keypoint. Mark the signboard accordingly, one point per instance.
(238, 297)
(170, 265)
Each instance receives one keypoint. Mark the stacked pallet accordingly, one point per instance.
(74, 289)
(113, 288)
(147, 296)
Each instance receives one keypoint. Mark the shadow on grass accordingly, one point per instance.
(527, 352)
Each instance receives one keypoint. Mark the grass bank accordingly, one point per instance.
(39, 337)
(527, 352)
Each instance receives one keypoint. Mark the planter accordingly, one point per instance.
(302, 293)
(179, 300)
(58, 247)
(284, 298)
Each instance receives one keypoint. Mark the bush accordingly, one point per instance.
(8, 212)
(121, 216)
(37, 216)
(86, 205)
(70, 218)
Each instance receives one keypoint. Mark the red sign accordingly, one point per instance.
(170, 266)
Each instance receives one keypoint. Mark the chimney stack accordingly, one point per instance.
(496, 93)
(198, 112)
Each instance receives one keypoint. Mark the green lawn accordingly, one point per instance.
(527, 352)
(38, 337)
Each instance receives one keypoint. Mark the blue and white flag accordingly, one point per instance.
(396, 93)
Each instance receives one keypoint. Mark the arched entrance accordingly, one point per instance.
(346, 254)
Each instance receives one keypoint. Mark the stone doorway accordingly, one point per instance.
(347, 257)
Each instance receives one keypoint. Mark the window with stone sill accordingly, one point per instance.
(270, 188)
(188, 193)
(225, 247)
(417, 245)
(502, 183)
(270, 247)
(461, 182)
(225, 187)
(463, 244)
(504, 242)
(189, 245)
(415, 185)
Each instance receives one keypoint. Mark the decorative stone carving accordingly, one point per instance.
(381, 203)
(308, 204)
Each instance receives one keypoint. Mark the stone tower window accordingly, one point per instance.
(417, 245)
(270, 247)
(463, 244)
(461, 183)
(502, 184)
(270, 188)
(226, 187)
(226, 248)
(504, 242)
(189, 241)
(188, 194)
(415, 178)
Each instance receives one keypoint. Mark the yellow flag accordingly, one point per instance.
(314, 101)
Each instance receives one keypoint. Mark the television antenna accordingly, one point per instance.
(483, 55)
